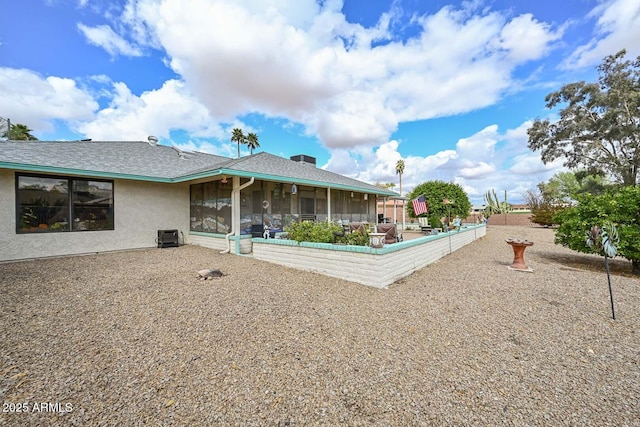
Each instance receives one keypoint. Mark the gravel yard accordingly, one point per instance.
(132, 338)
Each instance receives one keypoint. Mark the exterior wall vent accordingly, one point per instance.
(304, 159)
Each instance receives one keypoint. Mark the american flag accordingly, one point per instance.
(420, 205)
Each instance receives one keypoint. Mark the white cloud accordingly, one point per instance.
(480, 145)
(303, 61)
(35, 100)
(530, 163)
(617, 28)
(476, 170)
(103, 36)
(156, 112)
(525, 38)
(487, 159)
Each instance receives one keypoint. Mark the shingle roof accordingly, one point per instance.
(266, 165)
(141, 160)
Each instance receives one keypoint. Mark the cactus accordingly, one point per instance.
(494, 205)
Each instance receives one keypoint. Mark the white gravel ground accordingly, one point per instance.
(132, 338)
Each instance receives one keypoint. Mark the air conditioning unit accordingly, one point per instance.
(167, 238)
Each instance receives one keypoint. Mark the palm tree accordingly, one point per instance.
(18, 132)
(252, 141)
(400, 171)
(238, 136)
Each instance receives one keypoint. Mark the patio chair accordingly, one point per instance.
(424, 225)
(356, 226)
(391, 233)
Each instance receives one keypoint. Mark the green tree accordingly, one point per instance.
(238, 137)
(599, 128)
(561, 188)
(252, 141)
(18, 132)
(400, 171)
(435, 193)
(592, 182)
(620, 206)
(560, 192)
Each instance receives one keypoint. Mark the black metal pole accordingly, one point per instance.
(606, 265)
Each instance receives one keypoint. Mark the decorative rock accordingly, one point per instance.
(209, 274)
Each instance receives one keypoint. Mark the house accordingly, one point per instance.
(74, 197)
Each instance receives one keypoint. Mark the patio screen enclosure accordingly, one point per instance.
(273, 204)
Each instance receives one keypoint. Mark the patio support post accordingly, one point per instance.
(235, 210)
(329, 204)
(395, 209)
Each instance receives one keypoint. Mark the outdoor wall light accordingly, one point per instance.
(352, 194)
(366, 196)
(294, 189)
(224, 179)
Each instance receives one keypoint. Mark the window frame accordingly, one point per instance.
(70, 201)
(220, 196)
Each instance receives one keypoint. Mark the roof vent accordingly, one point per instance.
(153, 140)
(181, 154)
(304, 159)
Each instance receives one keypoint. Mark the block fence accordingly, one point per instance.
(362, 264)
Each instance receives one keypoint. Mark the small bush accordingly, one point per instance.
(307, 231)
(356, 238)
(323, 232)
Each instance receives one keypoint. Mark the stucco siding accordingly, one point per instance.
(140, 210)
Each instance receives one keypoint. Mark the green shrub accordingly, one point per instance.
(307, 231)
(546, 214)
(323, 232)
(620, 207)
(434, 222)
(356, 238)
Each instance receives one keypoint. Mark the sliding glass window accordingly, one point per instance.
(53, 204)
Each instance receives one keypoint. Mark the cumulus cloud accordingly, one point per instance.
(482, 161)
(347, 84)
(524, 38)
(617, 27)
(156, 112)
(36, 100)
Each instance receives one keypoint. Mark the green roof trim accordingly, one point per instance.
(81, 172)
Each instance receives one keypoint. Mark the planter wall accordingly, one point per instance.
(372, 267)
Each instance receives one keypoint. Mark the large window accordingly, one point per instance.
(211, 207)
(51, 204)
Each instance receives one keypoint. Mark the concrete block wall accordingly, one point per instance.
(372, 267)
(239, 244)
(216, 242)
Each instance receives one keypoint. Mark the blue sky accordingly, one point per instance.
(448, 86)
